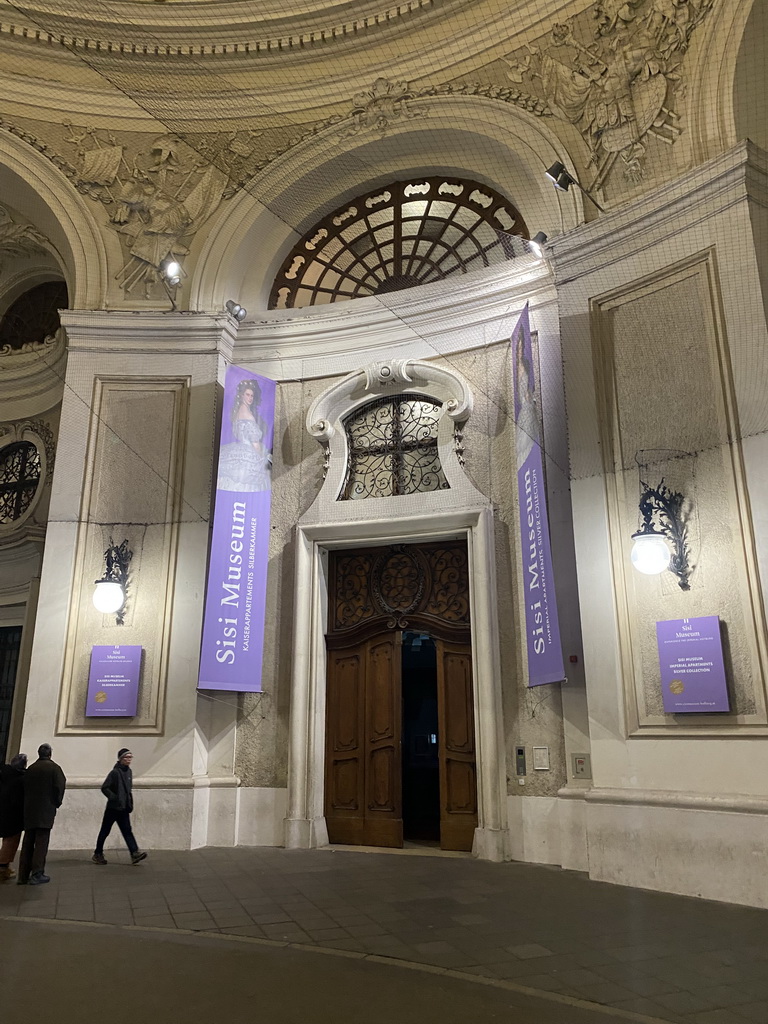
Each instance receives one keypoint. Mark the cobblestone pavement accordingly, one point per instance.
(574, 941)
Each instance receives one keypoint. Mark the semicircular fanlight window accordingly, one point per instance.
(404, 234)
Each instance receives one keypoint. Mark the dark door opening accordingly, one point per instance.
(10, 643)
(421, 765)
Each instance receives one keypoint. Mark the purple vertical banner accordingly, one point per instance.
(542, 629)
(113, 681)
(235, 600)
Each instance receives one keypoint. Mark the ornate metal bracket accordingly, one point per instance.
(117, 560)
(662, 512)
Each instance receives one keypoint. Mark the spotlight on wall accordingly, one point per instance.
(236, 310)
(109, 595)
(171, 270)
(661, 542)
(562, 181)
(559, 177)
(536, 244)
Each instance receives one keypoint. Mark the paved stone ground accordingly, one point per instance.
(650, 955)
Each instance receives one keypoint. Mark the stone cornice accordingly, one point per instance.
(228, 32)
(32, 380)
(433, 320)
(150, 333)
(739, 175)
(217, 45)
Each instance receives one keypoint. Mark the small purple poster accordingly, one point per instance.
(235, 600)
(542, 628)
(692, 669)
(113, 681)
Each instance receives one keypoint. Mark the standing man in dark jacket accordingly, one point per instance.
(118, 789)
(44, 785)
(11, 812)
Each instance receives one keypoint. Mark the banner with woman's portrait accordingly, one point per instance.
(542, 629)
(235, 601)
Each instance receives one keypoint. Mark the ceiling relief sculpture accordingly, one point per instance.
(614, 78)
(18, 240)
(157, 197)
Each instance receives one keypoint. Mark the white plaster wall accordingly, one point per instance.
(696, 850)
(156, 346)
(693, 850)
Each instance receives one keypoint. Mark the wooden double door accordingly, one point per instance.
(376, 596)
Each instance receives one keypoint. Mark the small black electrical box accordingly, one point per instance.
(520, 760)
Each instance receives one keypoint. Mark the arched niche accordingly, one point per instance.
(31, 185)
(468, 136)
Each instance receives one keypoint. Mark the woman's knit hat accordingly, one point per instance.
(122, 751)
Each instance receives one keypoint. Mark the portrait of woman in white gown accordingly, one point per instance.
(244, 464)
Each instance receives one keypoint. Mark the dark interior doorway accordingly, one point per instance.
(421, 765)
(10, 643)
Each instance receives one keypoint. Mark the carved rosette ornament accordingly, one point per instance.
(378, 108)
(398, 581)
(614, 79)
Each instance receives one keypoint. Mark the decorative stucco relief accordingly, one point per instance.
(615, 76)
(19, 240)
(375, 109)
(48, 344)
(157, 197)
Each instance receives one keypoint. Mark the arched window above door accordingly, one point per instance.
(393, 431)
(392, 448)
(398, 236)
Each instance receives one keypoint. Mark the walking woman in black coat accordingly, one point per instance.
(11, 812)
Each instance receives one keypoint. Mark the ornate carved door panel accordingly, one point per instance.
(458, 782)
(374, 594)
(363, 792)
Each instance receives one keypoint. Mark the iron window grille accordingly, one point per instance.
(20, 471)
(404, 234)
(392, 444)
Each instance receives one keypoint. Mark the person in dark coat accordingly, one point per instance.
(11, 812)
(118, 789)
(44, 785)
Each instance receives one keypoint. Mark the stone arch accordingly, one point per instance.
(40, 192)
(719, 59)
(506, 148)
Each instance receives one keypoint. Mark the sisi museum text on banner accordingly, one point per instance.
(542, 629)
(233, 624)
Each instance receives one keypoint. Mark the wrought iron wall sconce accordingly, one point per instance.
(111, 590)
(661, 542)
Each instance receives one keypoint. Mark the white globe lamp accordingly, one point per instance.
(108, 596)
(650, 552)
